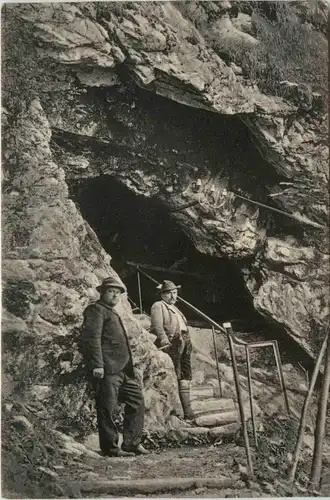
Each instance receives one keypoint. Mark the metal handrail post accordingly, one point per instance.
(249, 374)
(140, 293)
(228, 328)
(216, 360)
(281, 376)
(302, 424)
(320, 424)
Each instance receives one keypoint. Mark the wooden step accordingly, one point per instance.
(224, 430)
(194, 431)
(201, 392)
(211, 405)
(216, 419)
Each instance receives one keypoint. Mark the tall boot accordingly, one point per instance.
(184, 393)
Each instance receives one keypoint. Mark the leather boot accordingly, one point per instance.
(184, 393)
(137, 450)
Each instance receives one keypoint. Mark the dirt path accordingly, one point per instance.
(181, 472)
(221, 463)
(41, 465)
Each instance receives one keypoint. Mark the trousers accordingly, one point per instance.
(109, 393)
(180, 353)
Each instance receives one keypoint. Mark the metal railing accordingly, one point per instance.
(226, 329)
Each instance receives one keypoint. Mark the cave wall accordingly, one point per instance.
(72, 111)
(52, 262)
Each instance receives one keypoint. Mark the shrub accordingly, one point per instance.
(288, 49)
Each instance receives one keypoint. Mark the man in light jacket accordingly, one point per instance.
(170, 326)
(108, 357)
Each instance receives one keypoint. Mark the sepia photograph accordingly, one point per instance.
(165, 249)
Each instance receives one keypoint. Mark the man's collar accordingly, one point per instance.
(107, 306)
(170, 305)
(166, 303)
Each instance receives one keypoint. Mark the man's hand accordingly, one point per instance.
(98, 372)
(164, 344)
(164, 347)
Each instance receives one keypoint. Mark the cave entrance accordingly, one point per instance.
(139, 229)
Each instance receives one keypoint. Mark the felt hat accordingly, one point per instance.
(111, 282)
(167, 286)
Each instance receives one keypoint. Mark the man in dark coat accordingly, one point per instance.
(170, 326)
(109, 359)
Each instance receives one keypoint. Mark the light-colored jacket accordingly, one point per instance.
(164, 322)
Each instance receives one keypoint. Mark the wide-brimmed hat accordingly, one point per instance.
(167, 286)
(111, 283)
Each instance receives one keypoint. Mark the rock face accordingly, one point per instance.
(74, 110)
(52, 263)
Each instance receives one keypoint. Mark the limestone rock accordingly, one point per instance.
(98, 77)
(155, 43)
(243, 23)
(21, 422)
(48, 471)
(12, 323)
(92, 442)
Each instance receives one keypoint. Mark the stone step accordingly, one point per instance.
(218, 405)
(217, 419)
(201, 392)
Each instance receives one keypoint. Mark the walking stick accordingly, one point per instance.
(320, 423)
(302, 423)
(216, 360)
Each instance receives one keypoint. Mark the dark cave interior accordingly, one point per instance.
(137, 229)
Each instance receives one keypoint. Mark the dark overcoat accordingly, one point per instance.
(104, 340)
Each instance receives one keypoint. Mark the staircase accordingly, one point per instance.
(215, 416)
(212, 411)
